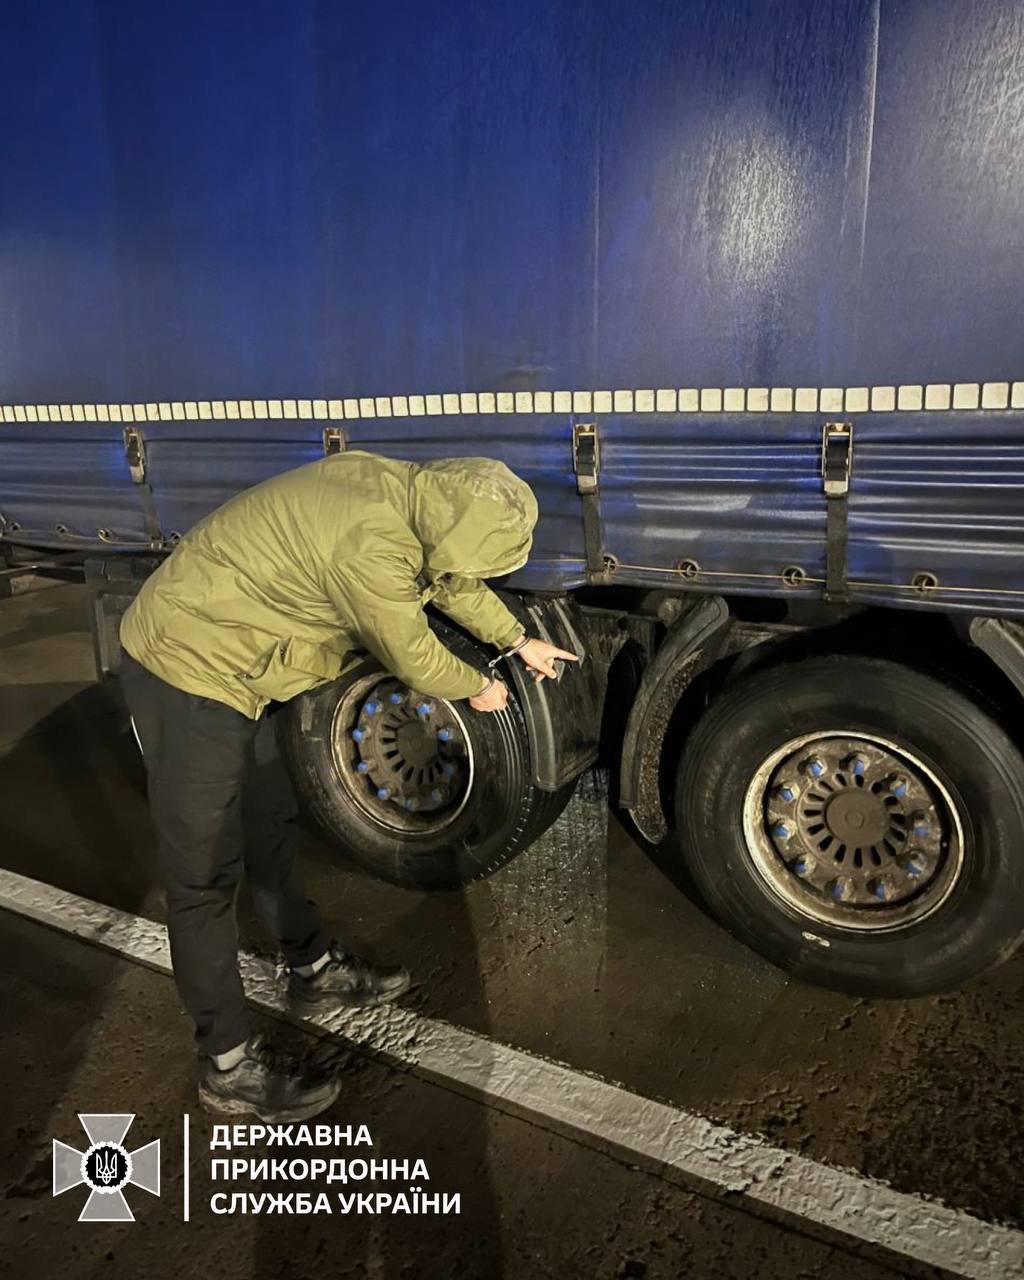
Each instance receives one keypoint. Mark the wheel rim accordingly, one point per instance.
(406, 760)
(852, 830)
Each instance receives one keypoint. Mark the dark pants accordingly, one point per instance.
(221, 801)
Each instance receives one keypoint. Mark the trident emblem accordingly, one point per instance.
(106, 1167)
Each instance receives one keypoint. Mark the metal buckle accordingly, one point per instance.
(836, 458)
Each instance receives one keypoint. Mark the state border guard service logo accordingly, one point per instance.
(106, 1167)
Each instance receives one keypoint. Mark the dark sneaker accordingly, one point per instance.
(348, 980)
(265, 1086)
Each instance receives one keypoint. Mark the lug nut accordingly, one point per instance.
(786, 793)
(897, 784)
(383, 793)
(372, 707)
(914, 863)
(879, 889)
(813, 767)
(437, 795)
(919, 824)
(780, 831)
(840, 888)
(448, 769)
(362, 767)
(444, 735)
(396, 698)
(802, 866)
(856, 765)
(358, 735)
(412, 803)
(424, 708)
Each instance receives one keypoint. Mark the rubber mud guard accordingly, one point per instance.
(690, 645)
(563, 715)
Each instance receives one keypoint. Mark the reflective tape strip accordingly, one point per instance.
(929, 397)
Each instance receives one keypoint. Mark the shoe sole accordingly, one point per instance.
(216, 1105)
(369, 1002)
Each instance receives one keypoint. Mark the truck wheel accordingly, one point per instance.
(419, 791)
(859, 823)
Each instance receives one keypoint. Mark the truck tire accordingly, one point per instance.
(859, 823)
(433, 795)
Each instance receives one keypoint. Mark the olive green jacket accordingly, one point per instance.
(279, 589)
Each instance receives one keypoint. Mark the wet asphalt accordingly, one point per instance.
(586, 949)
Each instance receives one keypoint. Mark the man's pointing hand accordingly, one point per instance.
(540, 657)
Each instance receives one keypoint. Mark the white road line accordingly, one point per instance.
(667, 1140)
(185, 1166)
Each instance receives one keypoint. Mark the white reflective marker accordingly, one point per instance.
(669, 1141)
(933, 397)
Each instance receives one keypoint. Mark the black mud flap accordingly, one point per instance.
(563, 716)
(691, 645)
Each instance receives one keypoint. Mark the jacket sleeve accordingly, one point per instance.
(382, 607)
(473, 605)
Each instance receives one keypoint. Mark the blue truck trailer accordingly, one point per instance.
(736, 286)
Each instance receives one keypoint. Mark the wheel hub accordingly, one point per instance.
(850, 829)
(856, 819)
(404, 757)
(415, 745)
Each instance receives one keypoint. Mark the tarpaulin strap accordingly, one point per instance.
(835, 550)
(149, 514)
(586, 461)
(836, 464)
(592, 533)
(135, 452)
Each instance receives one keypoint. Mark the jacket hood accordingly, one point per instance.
(473, 516)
